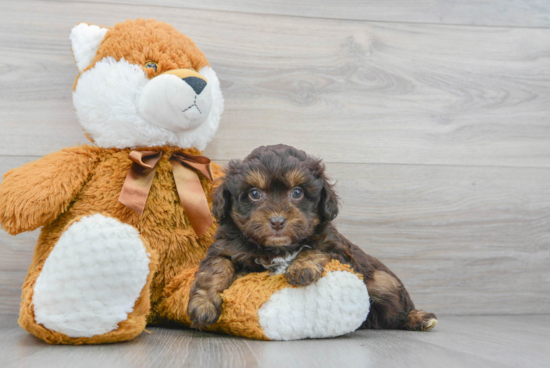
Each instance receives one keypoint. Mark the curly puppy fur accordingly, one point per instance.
(278, 203)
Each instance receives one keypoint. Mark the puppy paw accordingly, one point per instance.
(303, 273)
(418, 320)
(203, 311)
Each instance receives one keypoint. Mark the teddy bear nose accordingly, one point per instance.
(197, 84)
(277, 223)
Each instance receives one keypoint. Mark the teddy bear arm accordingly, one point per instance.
(38, 192)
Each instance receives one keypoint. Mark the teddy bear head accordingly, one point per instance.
(144, 84)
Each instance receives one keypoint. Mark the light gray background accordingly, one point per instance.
(433, 116)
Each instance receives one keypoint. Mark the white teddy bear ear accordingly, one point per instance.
(85, 40)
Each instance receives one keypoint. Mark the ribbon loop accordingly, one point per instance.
(200, 163)
(146, 159)
(138, 182)
(184, 168)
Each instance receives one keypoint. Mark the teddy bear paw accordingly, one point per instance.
(336, 304)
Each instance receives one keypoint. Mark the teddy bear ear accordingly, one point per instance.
(85, 40)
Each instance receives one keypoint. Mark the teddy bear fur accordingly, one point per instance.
(66, 187)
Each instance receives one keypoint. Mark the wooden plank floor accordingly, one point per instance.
(433, 116)
(349, 91)
(459, 341)
(524, 13)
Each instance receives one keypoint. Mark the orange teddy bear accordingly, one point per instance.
(127, 220)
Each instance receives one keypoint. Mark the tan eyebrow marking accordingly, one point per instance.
(295, 178)
(257, 179)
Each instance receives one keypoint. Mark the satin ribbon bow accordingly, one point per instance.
(184, 167)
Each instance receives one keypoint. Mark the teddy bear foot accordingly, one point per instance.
(336, 304)
(262, 306)
(92, 279)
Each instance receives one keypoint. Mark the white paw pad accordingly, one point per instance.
(335, 305)
(92, 278)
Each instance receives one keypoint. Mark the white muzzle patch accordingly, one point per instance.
(120, 107)
(171, 103)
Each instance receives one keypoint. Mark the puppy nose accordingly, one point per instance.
(277, 223)
(197, 84)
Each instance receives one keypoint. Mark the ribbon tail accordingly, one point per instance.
(139, 180)
(192, 197)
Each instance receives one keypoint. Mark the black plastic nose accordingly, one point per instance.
(196, 83)
(277, 223)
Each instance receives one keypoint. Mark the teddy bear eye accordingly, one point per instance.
(151, 64)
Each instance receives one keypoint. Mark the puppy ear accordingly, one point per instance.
(328, 205)
(221, 203)
(221, 200)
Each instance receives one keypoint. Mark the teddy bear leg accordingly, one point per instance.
(92, 288)
(265, 307)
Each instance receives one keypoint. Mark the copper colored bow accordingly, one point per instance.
(184, 167)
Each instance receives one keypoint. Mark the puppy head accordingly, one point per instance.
(277, 196)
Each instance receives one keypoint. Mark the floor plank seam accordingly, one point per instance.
(226, 159)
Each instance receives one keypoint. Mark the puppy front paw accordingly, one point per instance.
(303, 273)
(204, 311)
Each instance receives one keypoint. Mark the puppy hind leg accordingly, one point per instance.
(418, 320)
(392, 307)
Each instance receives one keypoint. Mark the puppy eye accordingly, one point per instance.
(151, 64)
(254, 194)
(297, 193)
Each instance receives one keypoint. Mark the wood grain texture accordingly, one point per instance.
(516, 13)
(439, 136)
(465, 341)
(350, 91)
(464, 240)
(16, 252)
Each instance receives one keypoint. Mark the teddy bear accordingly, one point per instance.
(127, 219)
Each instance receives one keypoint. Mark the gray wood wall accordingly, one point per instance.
(432, 115)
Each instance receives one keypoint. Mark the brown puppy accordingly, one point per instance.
(275, 210)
